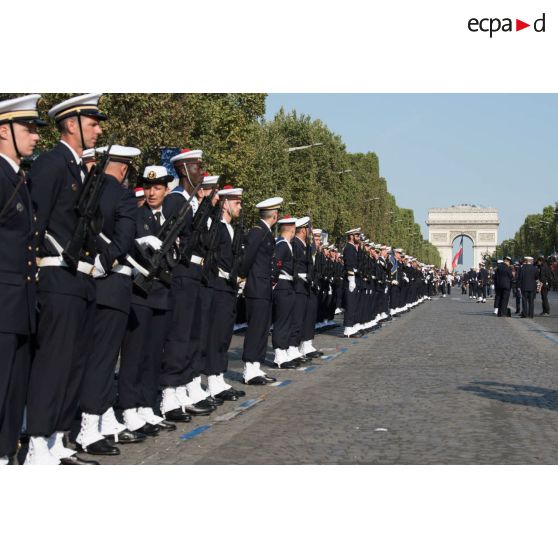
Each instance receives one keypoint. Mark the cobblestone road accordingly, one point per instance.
(446, 383)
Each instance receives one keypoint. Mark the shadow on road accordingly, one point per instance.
(517, 394)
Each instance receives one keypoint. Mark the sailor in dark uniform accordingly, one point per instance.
(527, 282)
(183, 343)
(66, 296)
(350, 262)
(142, 348)
(256, 267)
(19, 121)
(225, 291)
(503, 283)
(302, 278)
(284, 295)
(113, 293)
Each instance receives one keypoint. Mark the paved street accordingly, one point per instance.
(446, 383)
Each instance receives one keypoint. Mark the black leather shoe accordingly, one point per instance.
(353, 335)
(148, 430)
(315, 354)
(205, 404)
(227, 395)
(176, 415)
(237, 392)
(286, 365)
(215, 402)
(167, 426)
(257, 381)
(75, 460)
(198, 410)
(126, 437)
(269, 379)
(100, 447)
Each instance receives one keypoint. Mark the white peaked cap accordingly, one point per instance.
(270, 203)
(86, 105)
(187, 154)
(120, 152)
(302, 222)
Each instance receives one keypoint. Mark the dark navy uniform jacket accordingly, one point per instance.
(146, 225)
(503, 276)
(225, 259)
(256, 267)
(17, 254)
(283, 261)
(55, 182)
(118, 207)
(350, 258)
(300, 256)
(172, 204)
(527, 277)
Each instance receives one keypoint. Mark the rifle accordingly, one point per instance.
(90, 218)
(237, 250)
(198, 226)
(160, 263)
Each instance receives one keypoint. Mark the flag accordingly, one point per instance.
(458, 258)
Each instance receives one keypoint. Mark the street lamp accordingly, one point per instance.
(291, 149)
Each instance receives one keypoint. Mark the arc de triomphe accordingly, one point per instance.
(480, 224)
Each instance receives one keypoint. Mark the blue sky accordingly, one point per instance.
(435, 150)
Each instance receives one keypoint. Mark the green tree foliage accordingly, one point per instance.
(339, 190)
(537, 235)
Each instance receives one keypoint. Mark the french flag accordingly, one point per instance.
(458, 258)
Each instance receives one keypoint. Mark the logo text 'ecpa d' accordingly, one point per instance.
(493, 25)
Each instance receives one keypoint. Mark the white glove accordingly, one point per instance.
(98, 269)
(386, 291)
(352, 284)
(394, 282)
(406, 279)
(152, 241)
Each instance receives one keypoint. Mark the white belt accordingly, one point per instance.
(196, 260)
(284, 275)
(224, 274)
(303, 276)
(58, 261)
(122, 269)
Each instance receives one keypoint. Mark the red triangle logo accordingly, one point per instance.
(519, 25)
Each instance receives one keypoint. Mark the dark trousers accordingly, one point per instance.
(208, 313)
(258, 314)
(309, 326)
(140, 357)
(350, 317)
(503, 303)
(221, 331)
(544, 299)
(528, 303)
(297, 320)
(15, 362)
(283, 307)
(64, 341)
(497, 296)
(182, 343)
(98, 392)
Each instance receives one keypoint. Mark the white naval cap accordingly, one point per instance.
(21, 109)
(316, 231)
(188, 156)
(501, 261)
(286, 220)
(528, 257)
(120, 153)
(302, 222)
(353, 231)
(229, 192)
(210, 180)
(270, 203)
(400, 250)
(89, 154)
(156, 174)
(82, 105)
